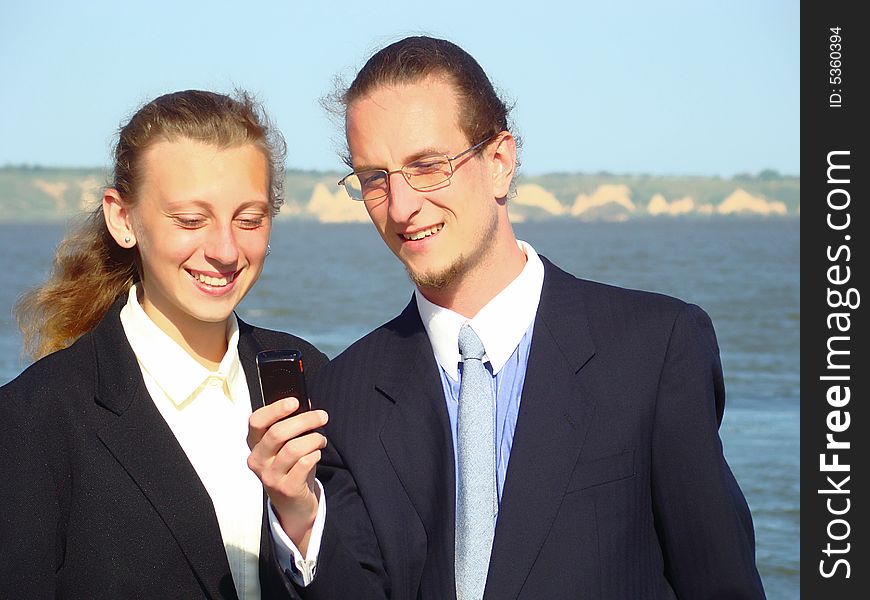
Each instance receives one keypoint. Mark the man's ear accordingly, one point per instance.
(117, 215)
(504, 163)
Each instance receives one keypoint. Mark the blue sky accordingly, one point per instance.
(665, 88)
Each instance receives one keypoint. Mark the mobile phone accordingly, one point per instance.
(281, 376)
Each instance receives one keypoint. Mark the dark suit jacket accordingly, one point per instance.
(97, 498)
(616, 487)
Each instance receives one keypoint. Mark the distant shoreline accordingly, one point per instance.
(40, 194)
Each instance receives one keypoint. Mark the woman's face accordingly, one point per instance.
(201, 223)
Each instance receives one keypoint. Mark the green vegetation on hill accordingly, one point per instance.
(704, 190)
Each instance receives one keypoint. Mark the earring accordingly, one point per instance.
(268, 249)
(126, 240)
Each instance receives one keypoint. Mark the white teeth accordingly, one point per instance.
(419, 235)
(213, 281)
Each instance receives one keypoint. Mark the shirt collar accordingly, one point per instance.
(500, 324)
(177, 373)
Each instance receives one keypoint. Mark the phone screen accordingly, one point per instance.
(282, 376)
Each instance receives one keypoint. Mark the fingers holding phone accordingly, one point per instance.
(285, 446)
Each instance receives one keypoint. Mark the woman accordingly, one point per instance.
(124, 448)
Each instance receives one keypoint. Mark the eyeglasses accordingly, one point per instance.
(422, 174)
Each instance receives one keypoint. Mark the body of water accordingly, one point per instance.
(333, 283)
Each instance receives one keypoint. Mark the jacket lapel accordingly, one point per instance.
(141, 441)
(417, 440)
(554, 415)
(248, 348)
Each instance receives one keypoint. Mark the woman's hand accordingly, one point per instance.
(285, 451)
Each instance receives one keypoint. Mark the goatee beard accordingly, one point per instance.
(464, 263)
(439, 280)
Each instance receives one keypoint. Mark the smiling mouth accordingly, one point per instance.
(222, 281)
(423, 233)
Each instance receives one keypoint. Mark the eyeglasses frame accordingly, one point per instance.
(407, 177)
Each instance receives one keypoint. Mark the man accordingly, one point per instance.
(603, 474)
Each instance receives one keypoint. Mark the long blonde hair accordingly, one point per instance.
(90, 269)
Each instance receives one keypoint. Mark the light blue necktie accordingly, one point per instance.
(477, 499)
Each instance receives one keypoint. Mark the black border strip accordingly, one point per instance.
(834, 230)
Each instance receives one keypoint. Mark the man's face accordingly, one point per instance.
(442, 236)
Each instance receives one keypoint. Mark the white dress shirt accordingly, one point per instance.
(505, 326)
(500, 324)
(208, 412)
